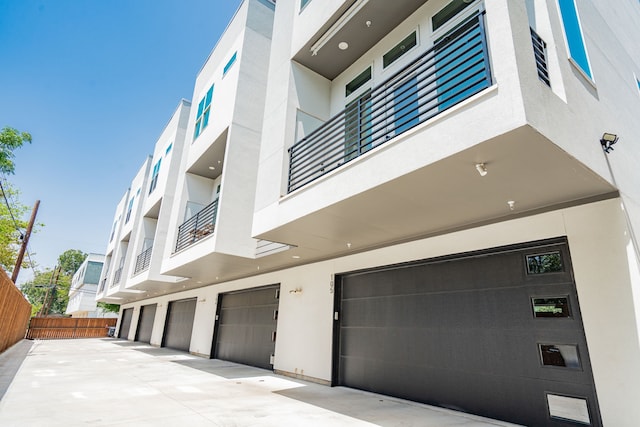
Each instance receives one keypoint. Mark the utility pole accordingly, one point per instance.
(53, 283)
(25, 240)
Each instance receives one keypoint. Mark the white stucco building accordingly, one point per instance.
(83, 288)
(436, 200)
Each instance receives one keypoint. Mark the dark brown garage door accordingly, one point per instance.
(145, 323)
(246, 327)
(495, 333)
(179, 324)
(125, 323)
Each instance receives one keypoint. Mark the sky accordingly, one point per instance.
(94, 82)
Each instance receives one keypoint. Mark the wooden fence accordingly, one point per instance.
(51, 328)
(15, 311)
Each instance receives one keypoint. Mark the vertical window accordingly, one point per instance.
(129, 209)
(405, 108)
(168, 150)
(231, 61)
(303, 3)
(204, 109)
(154, 176)
(113, 231)
(357, 127)
(573, 33)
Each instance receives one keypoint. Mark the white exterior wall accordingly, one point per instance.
(463, 126)
(606, 275)
(113, 253)
(164, 194)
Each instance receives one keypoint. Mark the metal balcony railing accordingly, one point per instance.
(143, 260)
(197, 227)
(455, 68)
(540, 53)
(116, 277)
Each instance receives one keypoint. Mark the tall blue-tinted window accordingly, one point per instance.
(573, 32)
(204, 110)
(405, 109)
(229, 63)
(129, 209)
(638, 82)
(303, 3)
(154, 176)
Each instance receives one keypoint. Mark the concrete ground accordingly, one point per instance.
(110, 382)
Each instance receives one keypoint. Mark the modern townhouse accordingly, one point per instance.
(437, 201)
(83, 288)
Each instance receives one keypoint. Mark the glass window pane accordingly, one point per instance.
(400, 49)
(357, 83)
(207, 101)
(229, 63)
(303, 3)
(196, 133)
(551, 307)
(563, 355)
(205, 118)
(577, 49)
(544, 263)
(200, 108)
(448, 12)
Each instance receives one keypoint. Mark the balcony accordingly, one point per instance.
(454, 69)
(197, 227)
(116, 277)
(143, 260)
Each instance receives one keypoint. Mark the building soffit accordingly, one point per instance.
(383, 15)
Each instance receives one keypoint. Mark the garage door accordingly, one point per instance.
(125, 323)
(495, 333)
(145, 323)
(179, 324)
(246, 327)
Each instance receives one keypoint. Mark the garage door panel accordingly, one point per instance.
(179, 324)
(483, 333)
(125, 323)
(246, 327)
(145, 323)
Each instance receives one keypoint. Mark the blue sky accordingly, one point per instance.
(94, 82)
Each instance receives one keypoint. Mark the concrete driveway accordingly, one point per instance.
(110, 382)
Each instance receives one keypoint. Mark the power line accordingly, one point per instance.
(6, 201)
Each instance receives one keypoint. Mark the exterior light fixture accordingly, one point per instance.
(607, 141)
(512, 205)
(343, 45)
(482, 169)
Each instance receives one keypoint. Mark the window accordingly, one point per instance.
(544, 263)
(113, 231)
(358, 82)
(573, 33)
(568, 408)
(400, 49)
(405, 108)
(357, 127)
(448, 12)
(168, 150)
(154, 176)
(229, 63)
(551, 307)
(303, 3)
(129, 209)
(204, 109)
(563, 355)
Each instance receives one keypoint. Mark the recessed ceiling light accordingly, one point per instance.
(343, 45)
(212, 167)
(296, 257)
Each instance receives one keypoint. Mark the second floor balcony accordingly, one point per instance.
(455, 68)
(197, 227)
(143, 260)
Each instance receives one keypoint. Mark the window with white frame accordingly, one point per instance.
(154, 176)
(204, 110)
(574, 36)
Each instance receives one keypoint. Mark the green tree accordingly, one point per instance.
(10, 140)
(48, 286)
(70, 261)
(111, 308)
(11, 224)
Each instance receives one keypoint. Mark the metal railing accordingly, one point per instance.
(197, 227)
(540, 53)
(116, 277)
(143, 260)
(454, 69)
